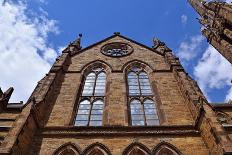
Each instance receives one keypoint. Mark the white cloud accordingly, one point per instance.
(50, 55)
(60, 49)
(184, 19)
(25, 55)
(213, 71)
(189, 49)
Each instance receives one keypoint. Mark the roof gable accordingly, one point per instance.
(117, 34)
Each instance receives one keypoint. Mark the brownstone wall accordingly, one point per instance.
(173, 109)
(186, 145)
(176, 96)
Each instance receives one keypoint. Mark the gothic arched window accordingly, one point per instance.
(143, 110)
(91, 106)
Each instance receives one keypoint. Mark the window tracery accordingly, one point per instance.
(143, 110)
(90, 109)
(116, 49)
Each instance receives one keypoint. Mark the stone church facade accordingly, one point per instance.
(115, 97)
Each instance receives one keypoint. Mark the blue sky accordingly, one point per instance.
(133, 18)
(48, 26)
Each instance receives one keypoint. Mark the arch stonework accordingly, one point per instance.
(67, 149)
(165, 148)
(96, 63)
(96, 149)
(137, 63)
(136, 149)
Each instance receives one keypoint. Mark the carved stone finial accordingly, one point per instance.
(157, 43)
(77, 42)
(117, 33)
(5, 97)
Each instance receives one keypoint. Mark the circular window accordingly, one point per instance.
(116, 49)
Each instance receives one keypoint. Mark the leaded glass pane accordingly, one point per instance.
(100, 85)
(89, 85)
(149, 105)
(135, 69)
(136, 111)
(96, 117)
(97, 113)
(81, 123)
(85, 104)
(82, 116)
(137, 115)
(135, 104)
(138, 123)
(83, 112)
(144, 84)
(98, 104)
(153, 122)
(95, 123)
(133, 84)
(151, 113)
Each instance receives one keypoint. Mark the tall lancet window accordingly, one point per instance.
(91, 106)
(143, 111)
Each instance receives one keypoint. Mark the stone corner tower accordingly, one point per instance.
(216, 18)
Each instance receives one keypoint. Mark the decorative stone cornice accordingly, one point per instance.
(120, 131)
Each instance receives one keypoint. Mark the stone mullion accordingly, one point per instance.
(144, 115)
(90, 112)
(96, 76)
(139, 84)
